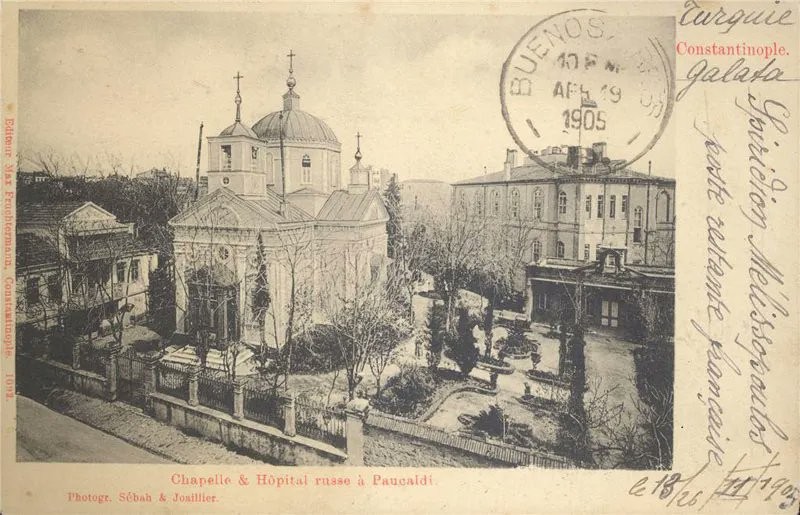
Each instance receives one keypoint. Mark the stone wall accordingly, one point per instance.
(396, 441)
(248, 436)
(383, 448)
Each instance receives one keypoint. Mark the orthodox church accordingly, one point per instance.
(278, 228)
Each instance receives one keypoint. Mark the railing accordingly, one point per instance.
(173, 379)
(320, 423)
(215, 391)
(264, 407)
(92, 360)
(511, 454)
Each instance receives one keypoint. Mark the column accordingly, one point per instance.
(529, 299)
(194, 375)
(150, 381)
(289, 426)
(356, 412)
(180, 290)
(238, 399)
(112, 359)
(76, 354)
(241, 271)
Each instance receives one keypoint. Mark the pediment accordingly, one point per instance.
(218, 210)
(90, 212)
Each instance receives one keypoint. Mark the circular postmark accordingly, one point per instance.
(580, 77)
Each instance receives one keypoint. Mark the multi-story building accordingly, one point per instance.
(578, 207)
(77, 265)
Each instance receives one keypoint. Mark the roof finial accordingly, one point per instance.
(291, 80)
(358, 146)
(238, 98)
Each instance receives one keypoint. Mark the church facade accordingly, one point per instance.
(278, 235)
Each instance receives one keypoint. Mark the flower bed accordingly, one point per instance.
(522, 354)
(548, 377)
(532, 401)
(492, 364)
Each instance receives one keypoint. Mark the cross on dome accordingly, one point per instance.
(291, 81)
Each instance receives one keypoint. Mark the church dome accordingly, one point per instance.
(238, 129)
(298, 126)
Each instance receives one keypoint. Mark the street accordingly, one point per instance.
(44, 435)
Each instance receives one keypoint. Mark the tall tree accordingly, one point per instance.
(391, 199)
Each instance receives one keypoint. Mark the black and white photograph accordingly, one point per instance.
(238, 245)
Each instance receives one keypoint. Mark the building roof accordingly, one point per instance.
(346, 206)
(238, 129)
(255, 212)
(298, 126)
(35, 251)
(533, 171)
(272, 205)
(108, 245)
(47, 213)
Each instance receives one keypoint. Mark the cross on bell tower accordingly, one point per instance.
(358, 146)
(238, 100)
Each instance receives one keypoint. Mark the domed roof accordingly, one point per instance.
(298, 126)
(238, 129)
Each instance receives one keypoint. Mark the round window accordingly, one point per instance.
(225, 180)
(223, 253)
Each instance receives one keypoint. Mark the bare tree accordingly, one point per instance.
(455, 248)
(363, 320)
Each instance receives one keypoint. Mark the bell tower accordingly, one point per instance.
(237, 159)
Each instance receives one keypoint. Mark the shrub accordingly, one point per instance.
(461, 345)
(404, 391)
(517, 341)
(315, 351)
(435, 331)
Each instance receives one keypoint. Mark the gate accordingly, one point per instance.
(130, 378)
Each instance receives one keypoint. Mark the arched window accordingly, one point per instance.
(515, 203)
(662, 207)
(306, 169)
(479, 203)
(537, 250)
(562, 203)
(537, 204)
(254, 159)
(637, 225)
(495, 203)
(560, 249)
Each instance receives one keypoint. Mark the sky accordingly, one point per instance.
(422, 89)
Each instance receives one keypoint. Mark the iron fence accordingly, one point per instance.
(173, 379)
(131, 377)
(263, 406)
(215, 391)
(319, 422)
(92, 360)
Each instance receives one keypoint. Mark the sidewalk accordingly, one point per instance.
(131, 425)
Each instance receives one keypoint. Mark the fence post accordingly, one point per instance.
(76, 354)
(356, 413)
(194, 375)
(150, 380)
(287, 402)
(238, 399)
(112, 359)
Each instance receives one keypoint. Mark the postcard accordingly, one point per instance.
(331, 257)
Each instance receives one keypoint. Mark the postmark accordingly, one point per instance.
(580, 77)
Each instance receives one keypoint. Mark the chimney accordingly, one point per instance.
(511, 162)
(599, 151)
(573, 156)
